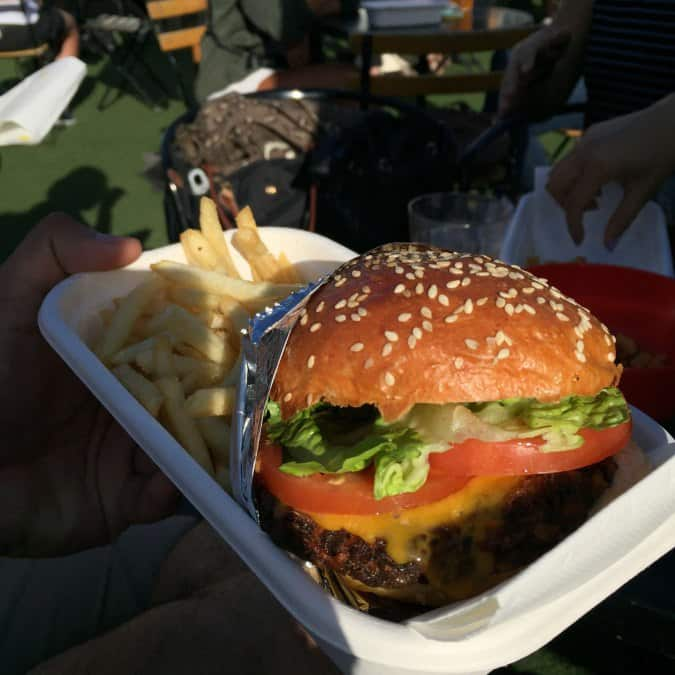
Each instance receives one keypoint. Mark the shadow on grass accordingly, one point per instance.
(81, 190)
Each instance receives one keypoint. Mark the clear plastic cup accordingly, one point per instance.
(460, 221)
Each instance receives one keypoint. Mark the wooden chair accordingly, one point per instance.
(179, 24)
(419, 44)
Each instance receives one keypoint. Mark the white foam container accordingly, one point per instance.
(495, 629)
(402, 13)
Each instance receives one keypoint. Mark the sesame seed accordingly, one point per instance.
(361, 311)
(508, 308)
(433, 291)
(387, 349)
(580, 345)
(417, 332)
(443, 299)
(454, 270)
(314, 327)
(340, 318)
(340, 282)
(288, 397)
(518, 309)
(459, 362)
(368, 363)
(419, 289)
(500, 302)
(309, 399)
(355, 317)
(481, 301)
(366, 290)
(406, 316)
(398, 270)
(611, 356)
(471, 344)
(410, 275)
(412, 341)
(528, 290)
(391, 335)
(503, 354)
(468, 306)
(500, 337)
(357, 347)
(466, 281)
(608, 341)
(353, 304)
(311, 361)
(389, 379)
(580, 357)
(419, 274)
(426, 312)
(303, 320)
(340, 304)
(356, 273)
(320, 306)
(451, 318)
(537, 285)
(399, 289)
(453, 284)
(562, 317)
(529, 309)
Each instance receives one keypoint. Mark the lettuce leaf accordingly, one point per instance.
(327, 439)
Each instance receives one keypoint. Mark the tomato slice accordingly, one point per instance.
(346, 493)
(511, 458)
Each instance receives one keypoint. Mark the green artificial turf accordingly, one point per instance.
(93, 170)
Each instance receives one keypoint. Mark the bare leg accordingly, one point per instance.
(71, 42)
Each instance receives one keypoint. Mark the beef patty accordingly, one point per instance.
(462, 558)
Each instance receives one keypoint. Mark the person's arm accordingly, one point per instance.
(544, 68)
(637, 150)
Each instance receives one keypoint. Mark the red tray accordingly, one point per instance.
(638, 304)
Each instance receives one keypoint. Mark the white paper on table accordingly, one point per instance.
(29, 110)
(540, 231)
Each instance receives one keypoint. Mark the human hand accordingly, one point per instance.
(70, 477)
(531, 60)
(636, 150)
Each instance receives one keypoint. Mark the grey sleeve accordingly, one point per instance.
(284, 21)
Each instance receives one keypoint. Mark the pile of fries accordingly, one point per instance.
(174, 341)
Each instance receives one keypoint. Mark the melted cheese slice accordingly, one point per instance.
(401, 530)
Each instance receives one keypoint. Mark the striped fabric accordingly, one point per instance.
(630, 56)
(18, 13)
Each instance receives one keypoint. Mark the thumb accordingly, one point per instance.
(60, 246)
(631, 204)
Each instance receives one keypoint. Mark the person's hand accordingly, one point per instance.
(531, 60)
(636, 150)
(70, 477)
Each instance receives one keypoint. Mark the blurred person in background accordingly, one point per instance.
(253, 45)
(97, 571)
(25, 24)
(625, 53)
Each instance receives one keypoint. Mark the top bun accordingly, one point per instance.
(409, 323)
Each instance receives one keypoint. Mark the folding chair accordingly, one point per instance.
(122, 37)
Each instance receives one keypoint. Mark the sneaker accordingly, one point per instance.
(67, 119)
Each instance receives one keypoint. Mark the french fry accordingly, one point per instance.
(186, 430)
(232, 377)
(201, 250)
(193, 299)
(202, 377)
(245, 219)
(189, 329)
(218, 283)
(251, 247)
(211, 229)
(162, 359)
(238, 317)
(142, 389)
(122, 322)
(288, 273)
(213, 320)
(216, 433)
(213, 402)
(132, 351)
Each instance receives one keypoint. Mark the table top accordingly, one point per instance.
(485, 17)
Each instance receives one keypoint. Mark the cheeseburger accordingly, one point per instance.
(438, 421)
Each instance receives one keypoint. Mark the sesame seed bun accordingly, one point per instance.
(409, 323)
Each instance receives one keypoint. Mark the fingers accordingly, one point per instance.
(59, 246)
(633, 200)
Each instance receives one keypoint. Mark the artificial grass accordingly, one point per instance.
(93, 170)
